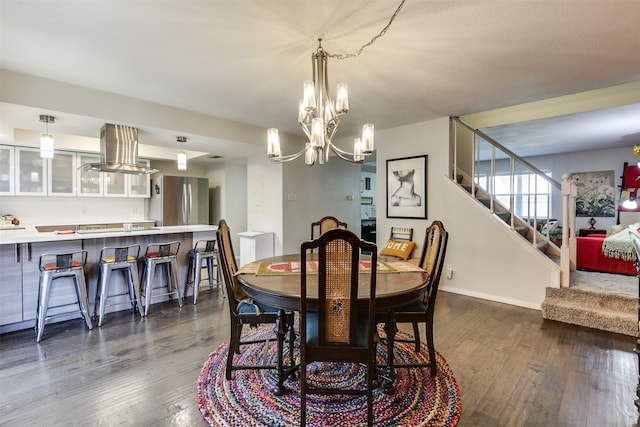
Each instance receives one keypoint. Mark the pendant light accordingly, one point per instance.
(46, 139)
(182, 156)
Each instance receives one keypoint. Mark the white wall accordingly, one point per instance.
(586, 161)
(265, 198)
(488, 260)
(332, 189)
(42, 210)
(228, 198)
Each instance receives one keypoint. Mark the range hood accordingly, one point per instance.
(119, 151)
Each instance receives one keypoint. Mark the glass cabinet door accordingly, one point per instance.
(6, 170)
(115, 184)
(62, 174)
(139, 185)
(90, 183)
(30, 172)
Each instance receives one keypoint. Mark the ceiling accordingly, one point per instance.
(245, 61)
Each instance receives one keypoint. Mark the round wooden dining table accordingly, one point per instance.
(275, 282)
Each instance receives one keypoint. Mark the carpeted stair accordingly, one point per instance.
(608, 312)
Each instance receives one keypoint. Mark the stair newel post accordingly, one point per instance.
(567, 256)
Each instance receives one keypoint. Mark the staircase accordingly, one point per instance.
(542, 243)
(609, 312)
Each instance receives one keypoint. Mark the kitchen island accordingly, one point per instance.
(21, 247)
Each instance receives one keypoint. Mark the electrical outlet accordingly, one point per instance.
(84, 211)
(449, 271)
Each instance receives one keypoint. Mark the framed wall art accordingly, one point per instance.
(596, 194)
(407, 187)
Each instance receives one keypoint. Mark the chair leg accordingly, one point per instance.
(196, 278)
(234, 345)
(432, 351)
(83, 300)
(44, 290)
(303, 394)
(174, 280)
(416, 336)
(190, 274)
(134, 287)
(210, 272)
(105, 276)
(147, 275)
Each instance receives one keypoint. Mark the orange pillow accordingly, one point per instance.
(398, 248)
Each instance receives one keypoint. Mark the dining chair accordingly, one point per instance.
(336, 329)
(432, 261)
(240, 315)
(325, 224)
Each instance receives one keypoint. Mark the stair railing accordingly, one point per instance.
(492, 160)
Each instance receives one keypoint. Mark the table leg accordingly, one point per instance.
(280, 330)
(390, 329)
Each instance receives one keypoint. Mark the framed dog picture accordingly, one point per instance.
(407, 187)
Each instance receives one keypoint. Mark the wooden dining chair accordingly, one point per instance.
(227, 270)
(325, 224)
(431, 260)
(336, 329)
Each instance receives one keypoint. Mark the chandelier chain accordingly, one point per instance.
(373, 39)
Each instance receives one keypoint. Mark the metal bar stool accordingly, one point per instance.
(203, 251)
(125, 259)
(55, 266)
(166, 256)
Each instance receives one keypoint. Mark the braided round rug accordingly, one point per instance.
(247, 399)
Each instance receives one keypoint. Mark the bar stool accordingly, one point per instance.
(166, 256)
(125, 259)
(55, 266)
(203, 251)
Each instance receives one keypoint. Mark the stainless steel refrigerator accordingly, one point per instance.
(179, 200)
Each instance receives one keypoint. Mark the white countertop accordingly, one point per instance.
(29, 234)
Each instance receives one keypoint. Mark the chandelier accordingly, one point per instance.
(319, 115)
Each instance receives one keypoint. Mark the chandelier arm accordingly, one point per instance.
(343, 154)
(290, 157)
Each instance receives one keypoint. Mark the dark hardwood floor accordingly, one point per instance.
(513, 368)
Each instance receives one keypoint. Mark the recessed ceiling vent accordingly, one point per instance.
(119, 151)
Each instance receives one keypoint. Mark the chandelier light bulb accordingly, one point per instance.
(342, 98)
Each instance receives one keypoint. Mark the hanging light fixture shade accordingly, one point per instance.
(46, 139)
(319, 117)
(182, 156)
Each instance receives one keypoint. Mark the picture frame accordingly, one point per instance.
(407, 187)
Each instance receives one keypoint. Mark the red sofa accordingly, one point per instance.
(589, 257)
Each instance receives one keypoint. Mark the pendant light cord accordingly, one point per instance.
(373, 39)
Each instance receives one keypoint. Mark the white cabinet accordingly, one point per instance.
(255, 245)
(7, 174)
(90, 183)
(127, 185)
(61, 176)
(140, 185)
(30, 172)
(24, 173)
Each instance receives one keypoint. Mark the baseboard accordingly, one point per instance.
(518, 303)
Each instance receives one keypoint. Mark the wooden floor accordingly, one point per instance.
(513, 368)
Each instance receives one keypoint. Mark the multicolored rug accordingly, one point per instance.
(247, 400)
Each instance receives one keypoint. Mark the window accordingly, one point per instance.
(531, 193)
